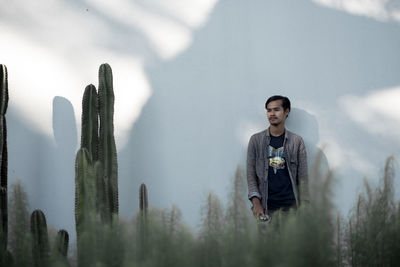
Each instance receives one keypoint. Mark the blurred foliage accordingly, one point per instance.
(373, 232)
(312, 235)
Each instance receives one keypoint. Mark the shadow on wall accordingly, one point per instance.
(187, 140)
(48, 167)
(63, 184)
(306, 125)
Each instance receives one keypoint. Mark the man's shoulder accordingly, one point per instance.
(259, 135)
(293, 136)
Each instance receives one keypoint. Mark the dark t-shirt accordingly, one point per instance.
(280, 192)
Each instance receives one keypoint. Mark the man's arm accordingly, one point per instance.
(254, 194)
(302, 173)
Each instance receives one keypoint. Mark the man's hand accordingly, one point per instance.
(257, 207)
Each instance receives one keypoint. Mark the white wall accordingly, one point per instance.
(190, 94)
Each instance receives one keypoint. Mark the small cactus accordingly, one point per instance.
(40, 247)
(60, 250)
(62, 243)
(143, 224)
(143, 200)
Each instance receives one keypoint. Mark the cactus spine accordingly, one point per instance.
(40, 248)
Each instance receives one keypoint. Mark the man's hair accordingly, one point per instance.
(285, 101)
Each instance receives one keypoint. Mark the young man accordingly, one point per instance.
(277, 172)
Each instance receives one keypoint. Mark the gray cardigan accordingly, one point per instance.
(257, 166)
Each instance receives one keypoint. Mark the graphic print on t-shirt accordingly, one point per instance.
(276, 158)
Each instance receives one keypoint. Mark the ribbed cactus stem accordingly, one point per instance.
(40, 247)
(60, 250)
(107, 148)
(62, 242)
(90, 121)
(3, 159)
(102, 203)
(143, 200)
(4, 89)
(96, 162)
(143, 226)
(19, 226)
(85, 191)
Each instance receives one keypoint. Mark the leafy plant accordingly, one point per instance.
(373, 230)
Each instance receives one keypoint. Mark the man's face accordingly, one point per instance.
(275, 113)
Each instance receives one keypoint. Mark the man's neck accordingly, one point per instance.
(276, 130)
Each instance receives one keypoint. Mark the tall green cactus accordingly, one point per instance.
(90, 141)
(96, 175)
(100, 143)
(40, 246)
(4, 254)
(107, 148)
(85, 191)
(3, 158)
(90, 121)
(4, 90)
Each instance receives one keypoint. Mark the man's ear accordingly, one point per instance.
(288, 111)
